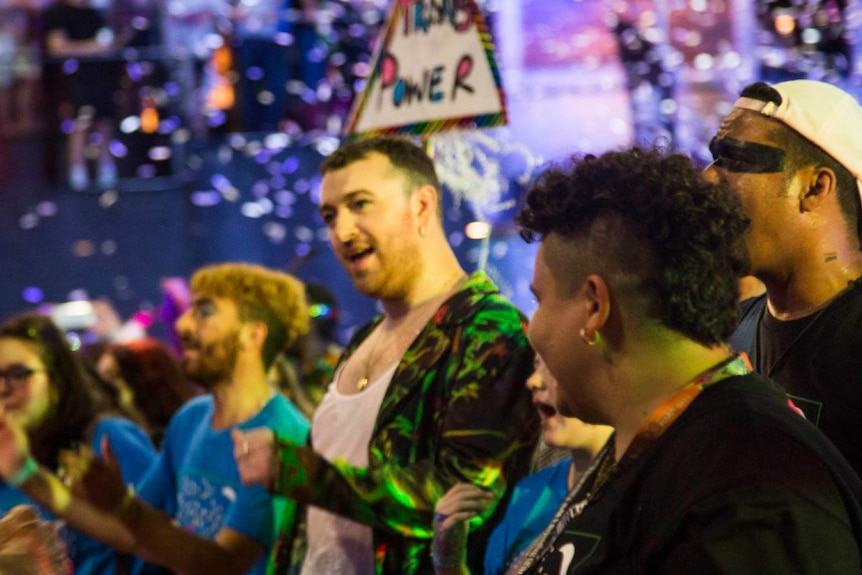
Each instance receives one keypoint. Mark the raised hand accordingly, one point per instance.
(451, 524)
(256, 458)
(97, 480)
(14, 447)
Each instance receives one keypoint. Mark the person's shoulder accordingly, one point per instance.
(131, 445)
(284, 418)
(197, 406)
(751, 383)
(833, 340)
(115, 425)
(760, 434)
(752, 306)
(549, 476)
(750, 399)
(282, 408)
(848, 305)
(480, 301)
(193, 414)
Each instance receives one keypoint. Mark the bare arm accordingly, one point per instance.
(158, 540)
(46, 490)
(58, 44)
(51, 494)
(145, 532)
(453, 513)
(99, 504)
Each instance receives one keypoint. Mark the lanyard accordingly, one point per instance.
(603, 467)
(672, 408)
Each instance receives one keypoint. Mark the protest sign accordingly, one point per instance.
(435, 69)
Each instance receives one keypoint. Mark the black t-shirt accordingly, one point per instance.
(79, 23)
(817, 360)
(93, 80)
(775, 338)
(738, 484)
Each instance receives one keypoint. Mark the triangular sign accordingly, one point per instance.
(434, 70)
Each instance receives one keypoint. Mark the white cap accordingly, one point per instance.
(826, 116)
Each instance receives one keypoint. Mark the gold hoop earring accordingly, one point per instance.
(587, 340)
(422, 231)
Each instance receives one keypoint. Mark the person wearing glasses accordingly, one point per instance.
(190, 513)
(46, 389)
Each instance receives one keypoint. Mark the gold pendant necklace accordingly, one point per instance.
(411, 329)
(397, 342)
(364, 380)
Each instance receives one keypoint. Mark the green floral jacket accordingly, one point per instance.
(457, 409)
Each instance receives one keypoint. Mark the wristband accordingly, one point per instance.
(128, 498)
(24, 474)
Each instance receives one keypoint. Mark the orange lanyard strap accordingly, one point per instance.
(603, 467)
(663, 417)
(670, 410)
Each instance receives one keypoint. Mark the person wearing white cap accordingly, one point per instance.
(793, 154)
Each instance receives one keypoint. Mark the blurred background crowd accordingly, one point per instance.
(140, 139)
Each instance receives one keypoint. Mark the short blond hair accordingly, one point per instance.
(260, 294)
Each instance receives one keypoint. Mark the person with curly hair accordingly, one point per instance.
(191, 512)
(708, 469)
(792, 152)
(54, 402)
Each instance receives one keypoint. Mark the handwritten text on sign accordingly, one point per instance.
(421, 18)
(433, 65)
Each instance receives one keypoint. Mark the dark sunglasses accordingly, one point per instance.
(746, 157)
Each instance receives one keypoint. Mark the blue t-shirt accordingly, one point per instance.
(534, 502)
(135, 453)
(196, 481)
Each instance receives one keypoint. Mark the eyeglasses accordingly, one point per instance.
(15, 378)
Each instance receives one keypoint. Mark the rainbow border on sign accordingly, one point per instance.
(432, 126)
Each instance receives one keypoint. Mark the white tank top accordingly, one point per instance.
(341, 429)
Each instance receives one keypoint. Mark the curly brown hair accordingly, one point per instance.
(670, 240)
(261, 294)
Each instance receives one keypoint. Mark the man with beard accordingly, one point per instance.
(191, 512)
(792, 152)
(708, 470)
(430, 394)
